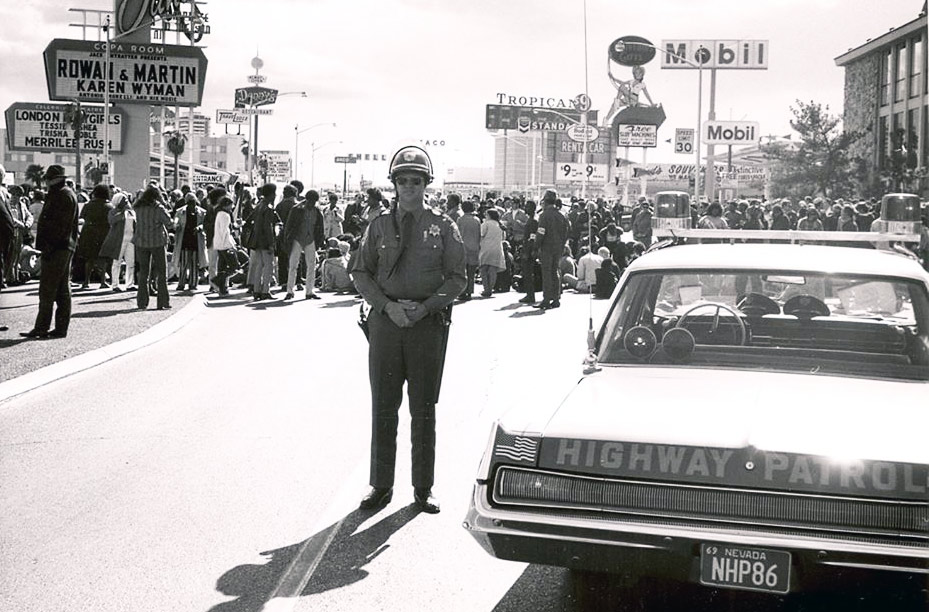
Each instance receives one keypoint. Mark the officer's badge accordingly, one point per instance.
(433, 231)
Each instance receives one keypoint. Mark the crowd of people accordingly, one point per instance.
(290, 242)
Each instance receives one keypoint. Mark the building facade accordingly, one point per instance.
(886, 101)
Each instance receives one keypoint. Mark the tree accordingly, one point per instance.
(902, 171)
(36, 174)
(175, 143)
(820, 164)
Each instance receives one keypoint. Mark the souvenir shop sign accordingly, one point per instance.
(42, 127)
(138, 73)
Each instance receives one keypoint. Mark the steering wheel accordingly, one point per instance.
(806, 307)
(743, 334)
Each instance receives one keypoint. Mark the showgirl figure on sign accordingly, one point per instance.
(628, 92)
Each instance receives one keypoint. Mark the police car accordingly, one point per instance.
(753, 415)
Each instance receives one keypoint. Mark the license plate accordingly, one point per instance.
(738, 567)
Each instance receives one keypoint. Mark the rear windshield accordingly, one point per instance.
(766, 319)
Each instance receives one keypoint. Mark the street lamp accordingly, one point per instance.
(313, 149)
(297, 132)
(702, 55)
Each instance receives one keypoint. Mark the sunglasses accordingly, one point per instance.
(415, 181)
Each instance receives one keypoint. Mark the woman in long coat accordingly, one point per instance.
(118, 243)
(96, 226)
(491, 259)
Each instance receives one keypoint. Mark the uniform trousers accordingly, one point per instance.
(55, 291)
(551, 287)
(397, 355)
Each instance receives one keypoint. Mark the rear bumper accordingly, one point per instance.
(621, 546)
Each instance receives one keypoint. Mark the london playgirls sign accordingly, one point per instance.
(142, 73)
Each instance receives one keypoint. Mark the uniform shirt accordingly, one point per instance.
(432, 269)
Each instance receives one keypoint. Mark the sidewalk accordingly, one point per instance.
(104, 325)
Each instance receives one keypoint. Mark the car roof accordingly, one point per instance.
(783, 257)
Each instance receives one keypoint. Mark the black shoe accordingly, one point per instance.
(543, 305)
(464, 297)
(312, 296)
(167, 307)
(57, 334)
(377, 497)
(32, 333)
(554, 304)
(529, 299)
(425, 500)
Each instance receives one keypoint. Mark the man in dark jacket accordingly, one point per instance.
(56, 239)
(551, 238)
(303, 232)
(283, 209)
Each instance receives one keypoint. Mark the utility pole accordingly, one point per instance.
(74, 115)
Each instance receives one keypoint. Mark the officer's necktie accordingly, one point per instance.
(406, 231)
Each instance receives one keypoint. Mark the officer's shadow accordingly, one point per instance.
(342, 563)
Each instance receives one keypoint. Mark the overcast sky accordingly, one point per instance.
(390, 71)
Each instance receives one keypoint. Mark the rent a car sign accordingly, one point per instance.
(136, 73)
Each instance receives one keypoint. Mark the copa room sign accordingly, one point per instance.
(138, 73)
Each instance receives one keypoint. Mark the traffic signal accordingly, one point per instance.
(692, 182)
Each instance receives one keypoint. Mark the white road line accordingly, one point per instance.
(298, 574)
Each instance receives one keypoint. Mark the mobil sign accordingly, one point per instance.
(730, 132)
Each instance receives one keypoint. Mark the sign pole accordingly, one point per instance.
(161, 138)
(710, 149)
(108, 175)
(699, 129)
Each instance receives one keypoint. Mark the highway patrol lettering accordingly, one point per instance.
(738, 467)
(648, 458)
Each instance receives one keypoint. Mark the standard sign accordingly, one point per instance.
(138, 73)
(730, 54)
(533, 118)
(637, 135)
(42, 127)
(684, 140)
(340, 159)
(730, 132)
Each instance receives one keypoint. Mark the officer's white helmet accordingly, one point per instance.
(411, 159)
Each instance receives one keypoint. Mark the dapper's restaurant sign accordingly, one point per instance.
(137, 73)
(42, 127)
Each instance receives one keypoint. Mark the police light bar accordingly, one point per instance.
(900, 213)
(791, 236)
(672, 210)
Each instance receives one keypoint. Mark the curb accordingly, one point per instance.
(85, 361)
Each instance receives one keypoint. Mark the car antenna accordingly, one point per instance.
(590, 362)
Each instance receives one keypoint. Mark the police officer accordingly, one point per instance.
(410, 268)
